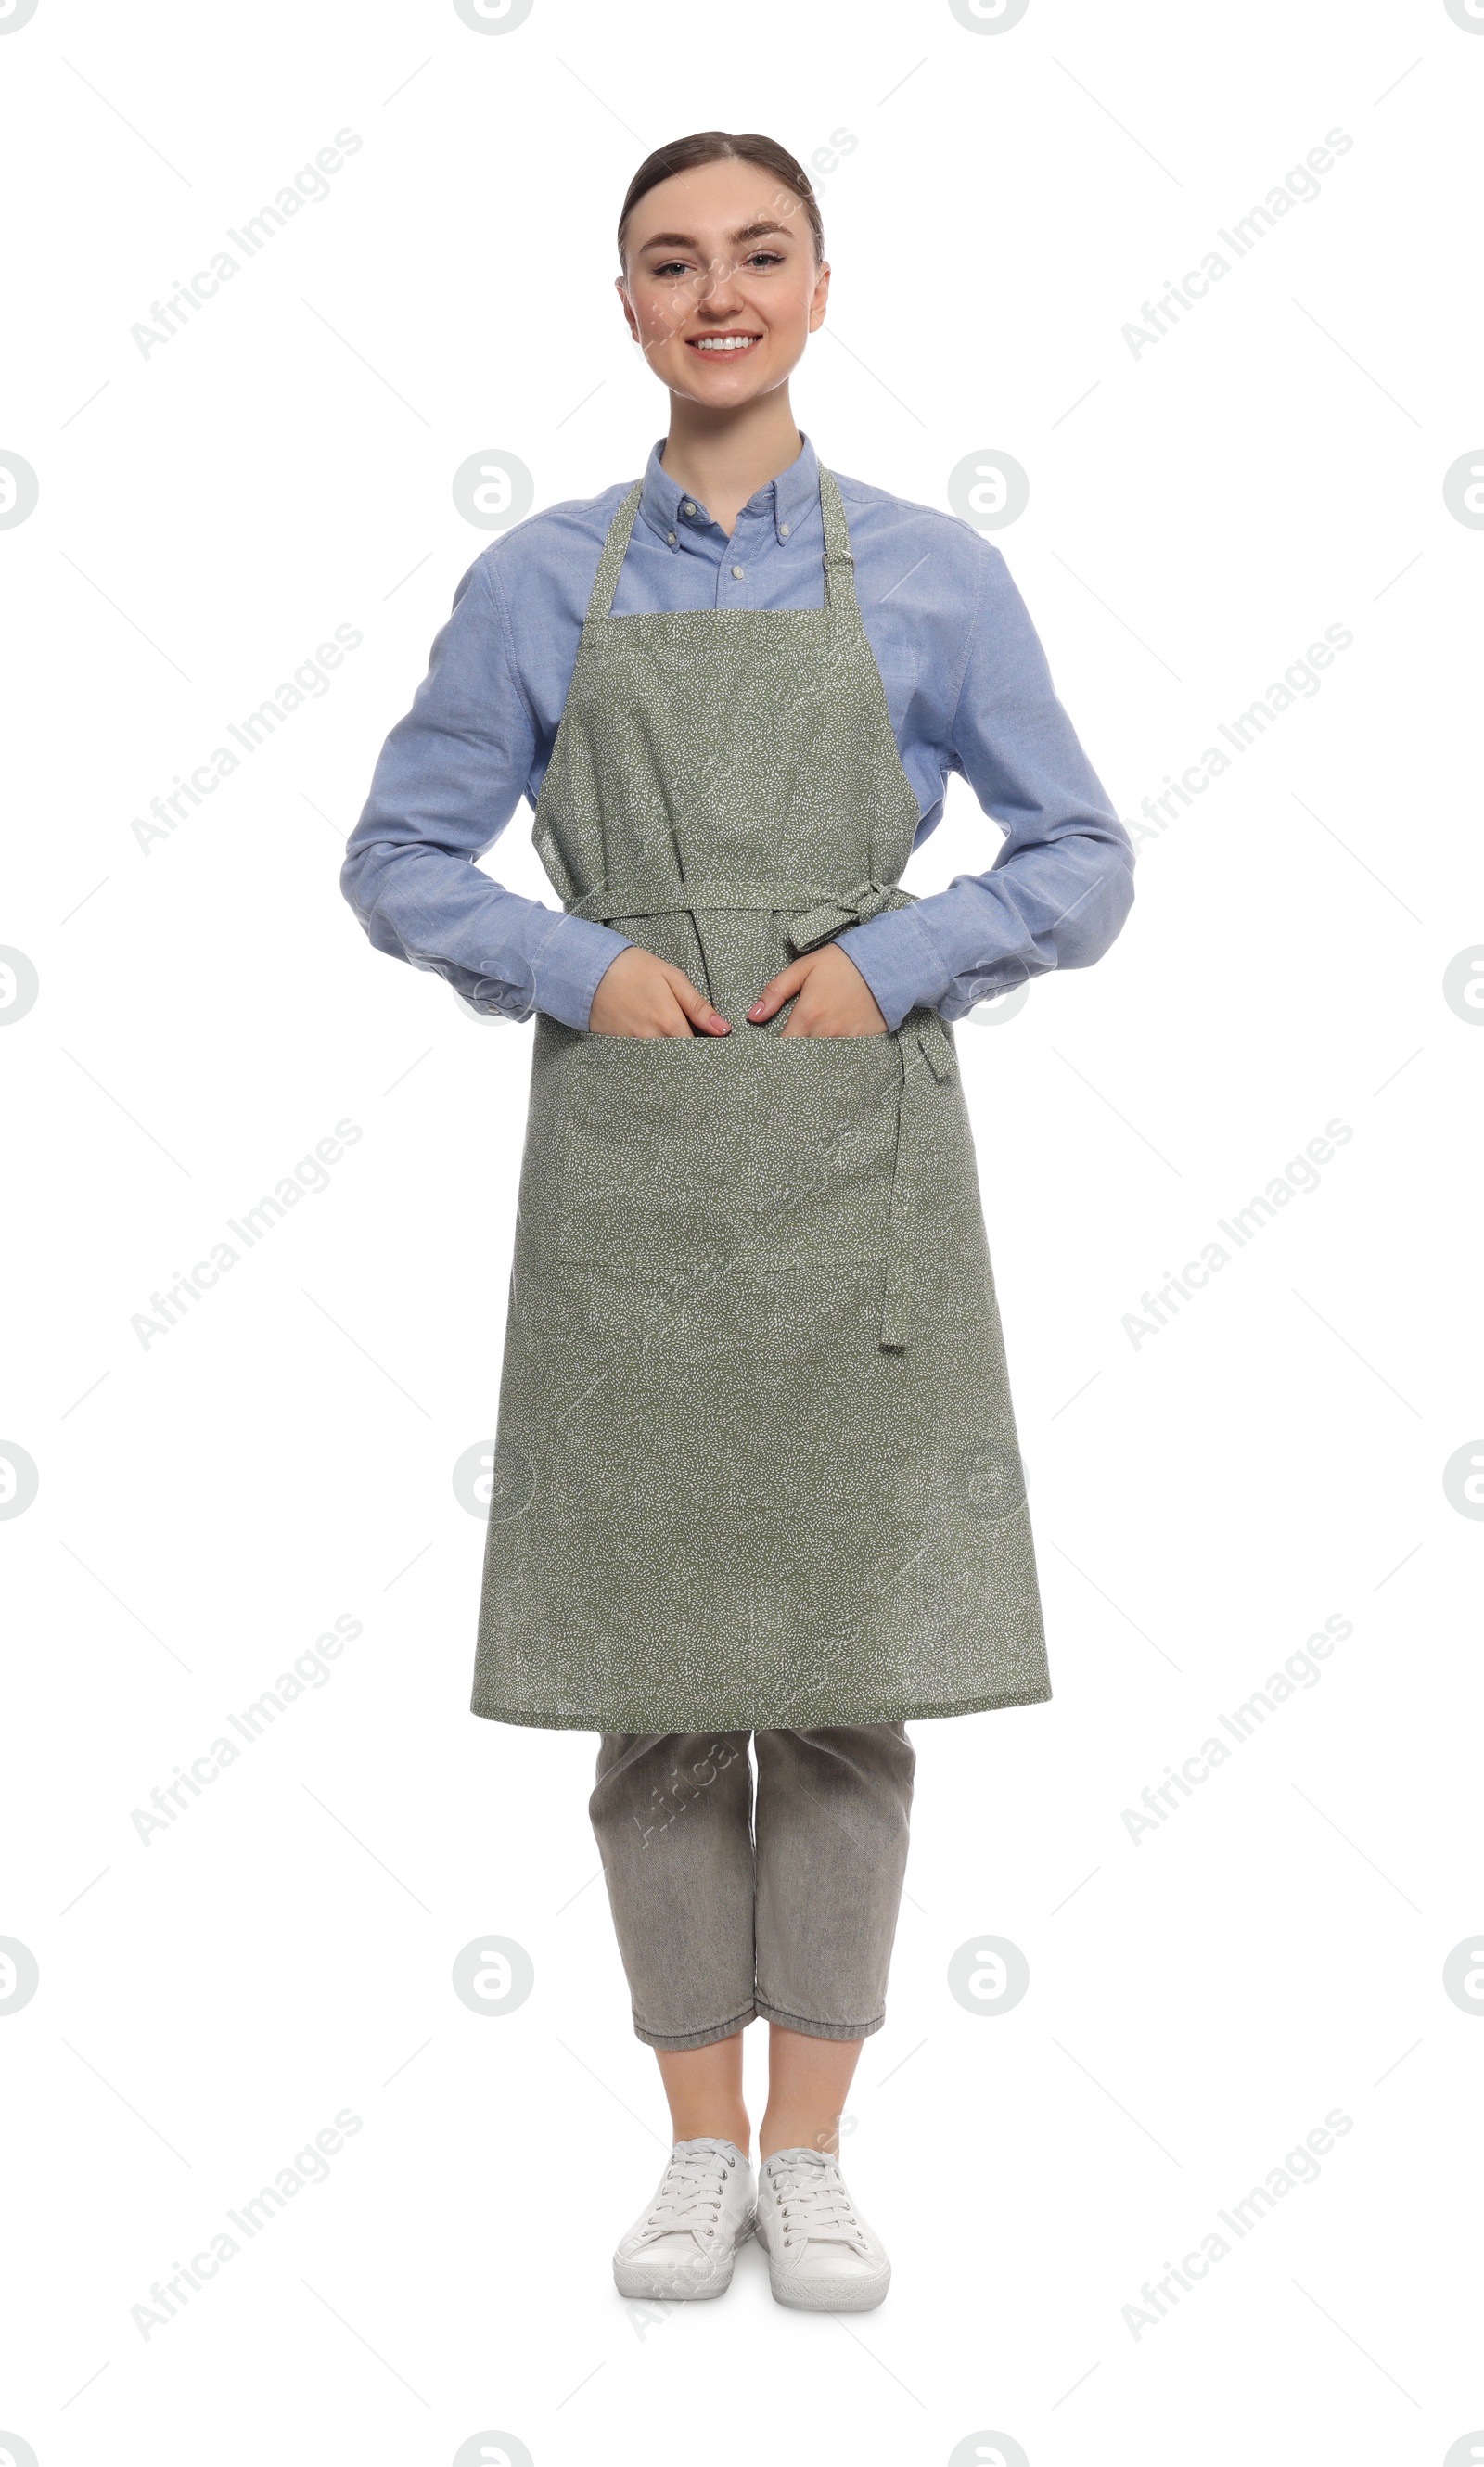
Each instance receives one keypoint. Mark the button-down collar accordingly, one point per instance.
(786, 500)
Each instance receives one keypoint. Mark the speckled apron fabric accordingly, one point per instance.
(756, 1463)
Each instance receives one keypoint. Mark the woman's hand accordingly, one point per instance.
(833, 997)
(638, 995)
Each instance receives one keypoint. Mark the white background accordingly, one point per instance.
(1204, 1501)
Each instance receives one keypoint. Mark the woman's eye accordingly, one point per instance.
(678, 265)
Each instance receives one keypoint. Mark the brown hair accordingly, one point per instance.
(720, 146)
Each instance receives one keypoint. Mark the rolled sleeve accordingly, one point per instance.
(447, 780)
(1061, 885)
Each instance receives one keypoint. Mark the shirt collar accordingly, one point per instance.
(787, 499)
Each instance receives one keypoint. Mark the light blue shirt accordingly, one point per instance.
(967, 687)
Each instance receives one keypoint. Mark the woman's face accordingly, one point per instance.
(723, 251)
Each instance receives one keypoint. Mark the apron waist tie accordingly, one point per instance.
(921, 1041)
(818, 914)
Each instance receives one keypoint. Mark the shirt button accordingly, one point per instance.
(689, 506)
(782, 530)
(670, 536)
(738, 571)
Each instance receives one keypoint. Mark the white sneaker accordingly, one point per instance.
(821, 2255)
(685, 2243)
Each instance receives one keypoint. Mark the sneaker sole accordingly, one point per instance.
(672, 2283)
(840, 2296)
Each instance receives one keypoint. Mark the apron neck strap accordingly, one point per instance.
(838, 560)
(614, 549)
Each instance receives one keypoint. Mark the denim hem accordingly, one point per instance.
(818, 2030)
(680, 2039)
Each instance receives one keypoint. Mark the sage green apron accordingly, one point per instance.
(756, 1463)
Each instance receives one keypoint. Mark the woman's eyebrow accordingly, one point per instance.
(687, 239)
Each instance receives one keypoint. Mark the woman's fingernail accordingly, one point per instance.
(753, 1013)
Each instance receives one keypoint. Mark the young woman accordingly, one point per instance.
(756, 1470)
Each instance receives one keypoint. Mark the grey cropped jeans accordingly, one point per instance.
(726, 1909)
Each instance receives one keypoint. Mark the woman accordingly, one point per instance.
(756, 1471)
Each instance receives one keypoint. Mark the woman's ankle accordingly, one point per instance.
(703, 2089)
(711, 2125)
(783, 2130)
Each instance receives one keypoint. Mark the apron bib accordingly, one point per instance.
(756, 1463)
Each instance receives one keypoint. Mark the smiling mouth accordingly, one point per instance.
(721, 347)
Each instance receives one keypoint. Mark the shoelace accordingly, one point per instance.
(812, 2201)
(692, 2194)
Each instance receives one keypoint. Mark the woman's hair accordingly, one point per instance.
(718, 146)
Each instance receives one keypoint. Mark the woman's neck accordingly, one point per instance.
(723, 461)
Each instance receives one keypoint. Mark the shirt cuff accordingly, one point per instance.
(572, 958)
(898, 962)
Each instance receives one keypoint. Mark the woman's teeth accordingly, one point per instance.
(722, 341)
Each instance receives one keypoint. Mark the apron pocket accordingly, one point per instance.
(750, 1151)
